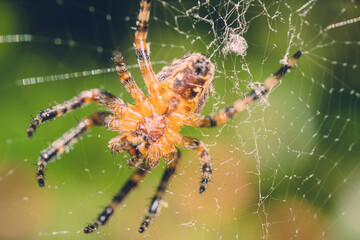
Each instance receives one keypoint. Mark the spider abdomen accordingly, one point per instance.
(190, 78)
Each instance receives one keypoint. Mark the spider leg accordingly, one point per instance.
(104, 216)
(126, 78)
(99, 96)
(142, 49)
(203, 152)
(156, 202)
(238, 106)
(67, 140)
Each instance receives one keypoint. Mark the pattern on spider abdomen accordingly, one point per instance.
(191, 78)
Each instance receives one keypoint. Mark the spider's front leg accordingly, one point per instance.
(99, 96)
(240, 105)
(156, 201)
(127, 79)
(67, 140)
(142, 49)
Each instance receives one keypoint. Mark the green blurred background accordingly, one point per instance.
(287, 169)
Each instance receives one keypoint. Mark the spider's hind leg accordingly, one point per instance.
(67, 140)
(156, 201)
(104, 216)
(203, 152)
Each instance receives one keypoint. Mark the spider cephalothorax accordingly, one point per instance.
(149, 130)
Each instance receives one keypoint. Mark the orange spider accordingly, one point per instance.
(150, 129)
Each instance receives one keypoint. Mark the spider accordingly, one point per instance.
(149, 130)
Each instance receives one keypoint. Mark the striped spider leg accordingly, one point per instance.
(126, 79)
(67, 140)
(142, 49)
(203, 152)
(98, 96)
(240, 105)
(70, 138)
(155, 204)
(104, 216)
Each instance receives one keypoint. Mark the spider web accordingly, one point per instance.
(285, 169)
